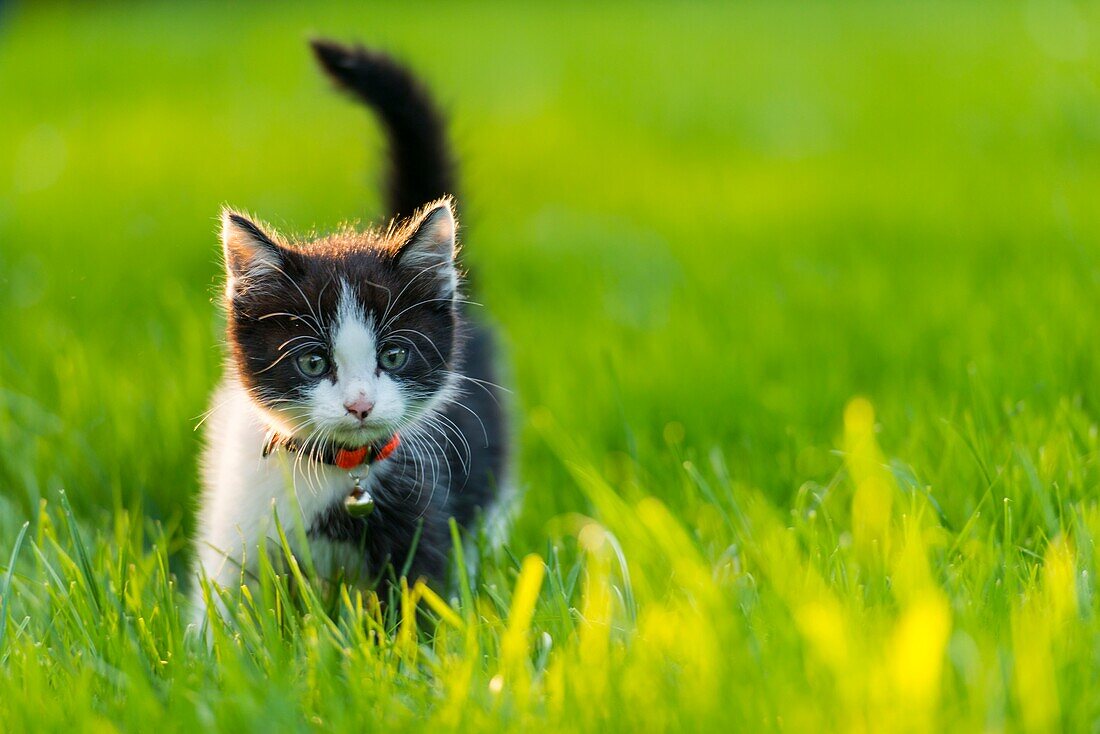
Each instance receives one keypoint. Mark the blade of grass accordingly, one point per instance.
(5, 592)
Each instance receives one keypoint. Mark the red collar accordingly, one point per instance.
(335, 456)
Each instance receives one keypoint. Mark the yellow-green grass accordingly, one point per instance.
(799, 305)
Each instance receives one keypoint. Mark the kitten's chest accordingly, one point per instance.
(314, 498)
(316, 490)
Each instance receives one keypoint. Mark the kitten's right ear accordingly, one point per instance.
(249, 251)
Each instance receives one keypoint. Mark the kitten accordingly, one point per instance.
(359, 402)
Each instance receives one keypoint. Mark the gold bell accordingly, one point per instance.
(359, 503)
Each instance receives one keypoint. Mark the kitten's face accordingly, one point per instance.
(348, 339)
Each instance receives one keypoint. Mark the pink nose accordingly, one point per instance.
(360, 407)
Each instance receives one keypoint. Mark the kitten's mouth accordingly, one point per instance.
(343, 434)
(360, 436)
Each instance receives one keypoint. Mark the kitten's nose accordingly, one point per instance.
(360, 407)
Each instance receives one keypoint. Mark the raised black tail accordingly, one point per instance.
(421, 166)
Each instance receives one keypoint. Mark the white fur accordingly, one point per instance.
(243, 492)
(355, 352)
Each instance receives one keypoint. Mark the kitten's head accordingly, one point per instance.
(349, 338)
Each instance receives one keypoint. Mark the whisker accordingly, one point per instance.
(484, 432)
(424, 302)
(307, 320)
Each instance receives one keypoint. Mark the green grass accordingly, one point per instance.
(801, 307)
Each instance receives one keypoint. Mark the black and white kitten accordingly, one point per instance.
(359, 403)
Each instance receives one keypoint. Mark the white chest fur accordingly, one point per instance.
(243, 493)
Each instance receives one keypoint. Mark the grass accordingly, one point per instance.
(800, 305)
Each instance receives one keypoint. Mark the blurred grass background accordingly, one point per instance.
(703, 230)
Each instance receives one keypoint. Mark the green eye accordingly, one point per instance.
(393, 358)
(312, 364)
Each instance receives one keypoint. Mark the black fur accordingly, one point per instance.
(445, 472)
(422, 168)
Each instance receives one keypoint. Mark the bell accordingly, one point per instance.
(359, 503)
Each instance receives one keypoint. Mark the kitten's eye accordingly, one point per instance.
(393, 358)
(312, 364)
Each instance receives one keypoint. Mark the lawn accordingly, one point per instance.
(800, 308)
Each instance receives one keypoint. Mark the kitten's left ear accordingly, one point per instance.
(432, 245)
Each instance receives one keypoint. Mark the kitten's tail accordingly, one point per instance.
(421, 166)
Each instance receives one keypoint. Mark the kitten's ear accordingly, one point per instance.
(249, 251)
(432, 244)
